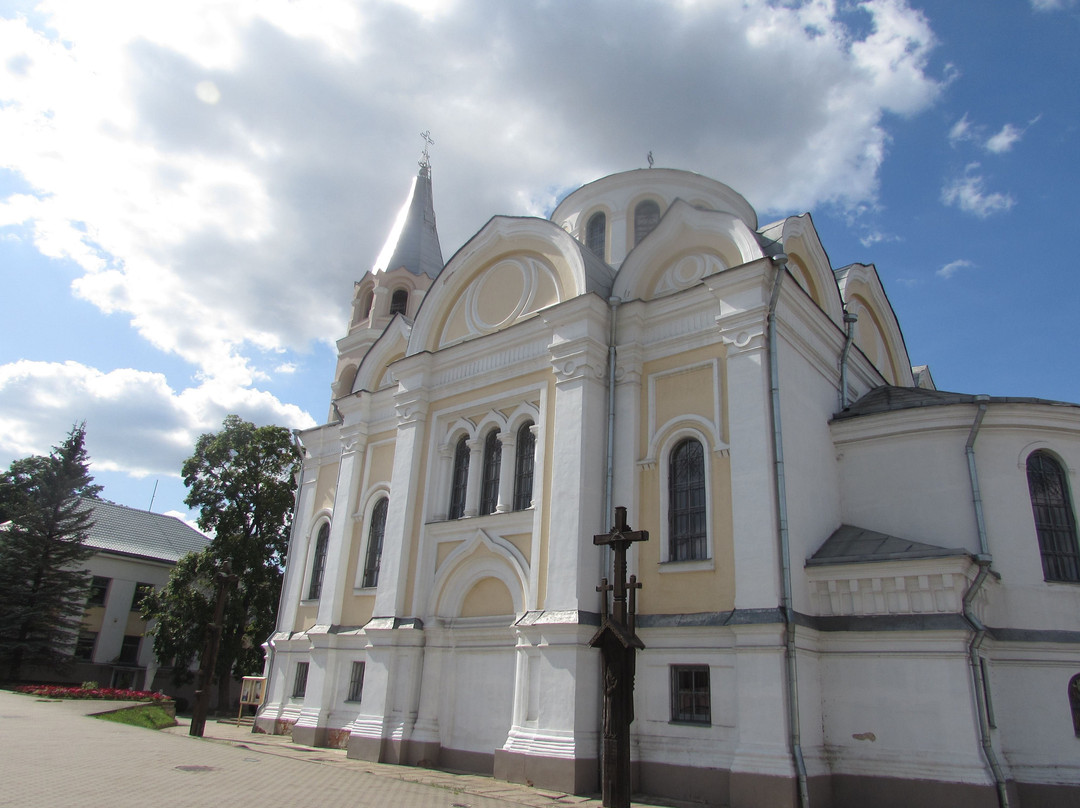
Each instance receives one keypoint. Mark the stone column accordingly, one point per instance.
(507, 466)
(476, 468)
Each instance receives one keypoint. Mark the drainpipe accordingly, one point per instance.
(850, 318)
(609, 471)
(780, 263)
(984, 559)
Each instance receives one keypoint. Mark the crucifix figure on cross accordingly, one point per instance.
(617, 642)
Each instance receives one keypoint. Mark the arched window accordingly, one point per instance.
(489, 488)
(365, 305)
(399, 301)
(687, 533)
(319, 562)
(596, 233)
(524, 460)
(374, 544)
(1055, 523)
(460, 480)
(646, 218)
(1074, 703)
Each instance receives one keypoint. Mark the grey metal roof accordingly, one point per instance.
(120, 529)
(888, 398)
(414, 241)
(849, 544)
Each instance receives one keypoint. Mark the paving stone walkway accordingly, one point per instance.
(53, 754)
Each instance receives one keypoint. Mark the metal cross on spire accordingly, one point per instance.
(425, 160)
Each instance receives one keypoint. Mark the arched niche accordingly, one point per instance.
(877, 333)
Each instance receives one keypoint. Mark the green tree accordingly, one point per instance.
(242, 480)
(42, 586)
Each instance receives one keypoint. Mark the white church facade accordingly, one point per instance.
(857, 590)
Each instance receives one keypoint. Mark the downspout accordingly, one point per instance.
(609, 470)
(984, 559)
(780, 263)
(850, 319)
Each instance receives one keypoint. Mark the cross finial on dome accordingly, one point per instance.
(425, 160)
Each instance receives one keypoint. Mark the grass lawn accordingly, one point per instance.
(151, 716)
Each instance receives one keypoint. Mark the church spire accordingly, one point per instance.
(413, 243)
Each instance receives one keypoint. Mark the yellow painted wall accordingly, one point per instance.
(325, 486)
(489, 596)
(306, 616)
(357, 609)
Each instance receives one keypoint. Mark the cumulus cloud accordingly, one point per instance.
(135, 421)
(998, 143)
(220, 173)
(953, 267)
(967, 192)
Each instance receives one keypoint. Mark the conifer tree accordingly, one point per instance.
(42, 586)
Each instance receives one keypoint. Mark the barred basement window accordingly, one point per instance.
(690, 694)
(596, 233)
(319, 564)
(686, 502)
(1055, 522)
(300, 681)
(489, 488)
(524, 460)
(646, 218)
(1074, 703)
(375, 541)
(356, 682)
(460, 479)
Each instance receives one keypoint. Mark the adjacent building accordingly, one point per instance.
(857, 590)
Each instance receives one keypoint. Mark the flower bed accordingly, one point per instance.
(75, 692)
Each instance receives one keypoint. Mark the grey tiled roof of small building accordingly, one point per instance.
(888, 398)
(849, 545)
(120, 529)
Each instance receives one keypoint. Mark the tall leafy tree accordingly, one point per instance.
(42, 586)
(242, 480)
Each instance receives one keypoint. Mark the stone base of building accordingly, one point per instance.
(573, 776)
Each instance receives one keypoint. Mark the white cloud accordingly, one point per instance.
(1052, 5)
(960, 131)
(967, 193)
(953, 267)
(1004, 140)
(135, 421)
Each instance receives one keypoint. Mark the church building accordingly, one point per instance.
(857, 589)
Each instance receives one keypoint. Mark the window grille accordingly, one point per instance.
(596, 233)
(460, 479)
(1055, 522)
(319, 564)
(300, 680)
(646, 218)
(356, 682)
(686, 503)
(690, 694)
(489, 489)
(524, 461)
(375, 542)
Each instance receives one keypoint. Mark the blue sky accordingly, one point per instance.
(189, 191)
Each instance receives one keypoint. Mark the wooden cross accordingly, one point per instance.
(620, 538)
(603, 589)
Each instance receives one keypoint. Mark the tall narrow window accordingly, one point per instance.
(686, 502)
(356, 682)
(399, 301)
(374, 545)
(690, 694)
(1074, 703)
(524, 460)
(99, 590)
(1055, 522)
(299, 687)
(489, 489)
(84, 646)
(129, 649)
(646, 218)
(596, 233)
(318, 564)
(460, 479)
